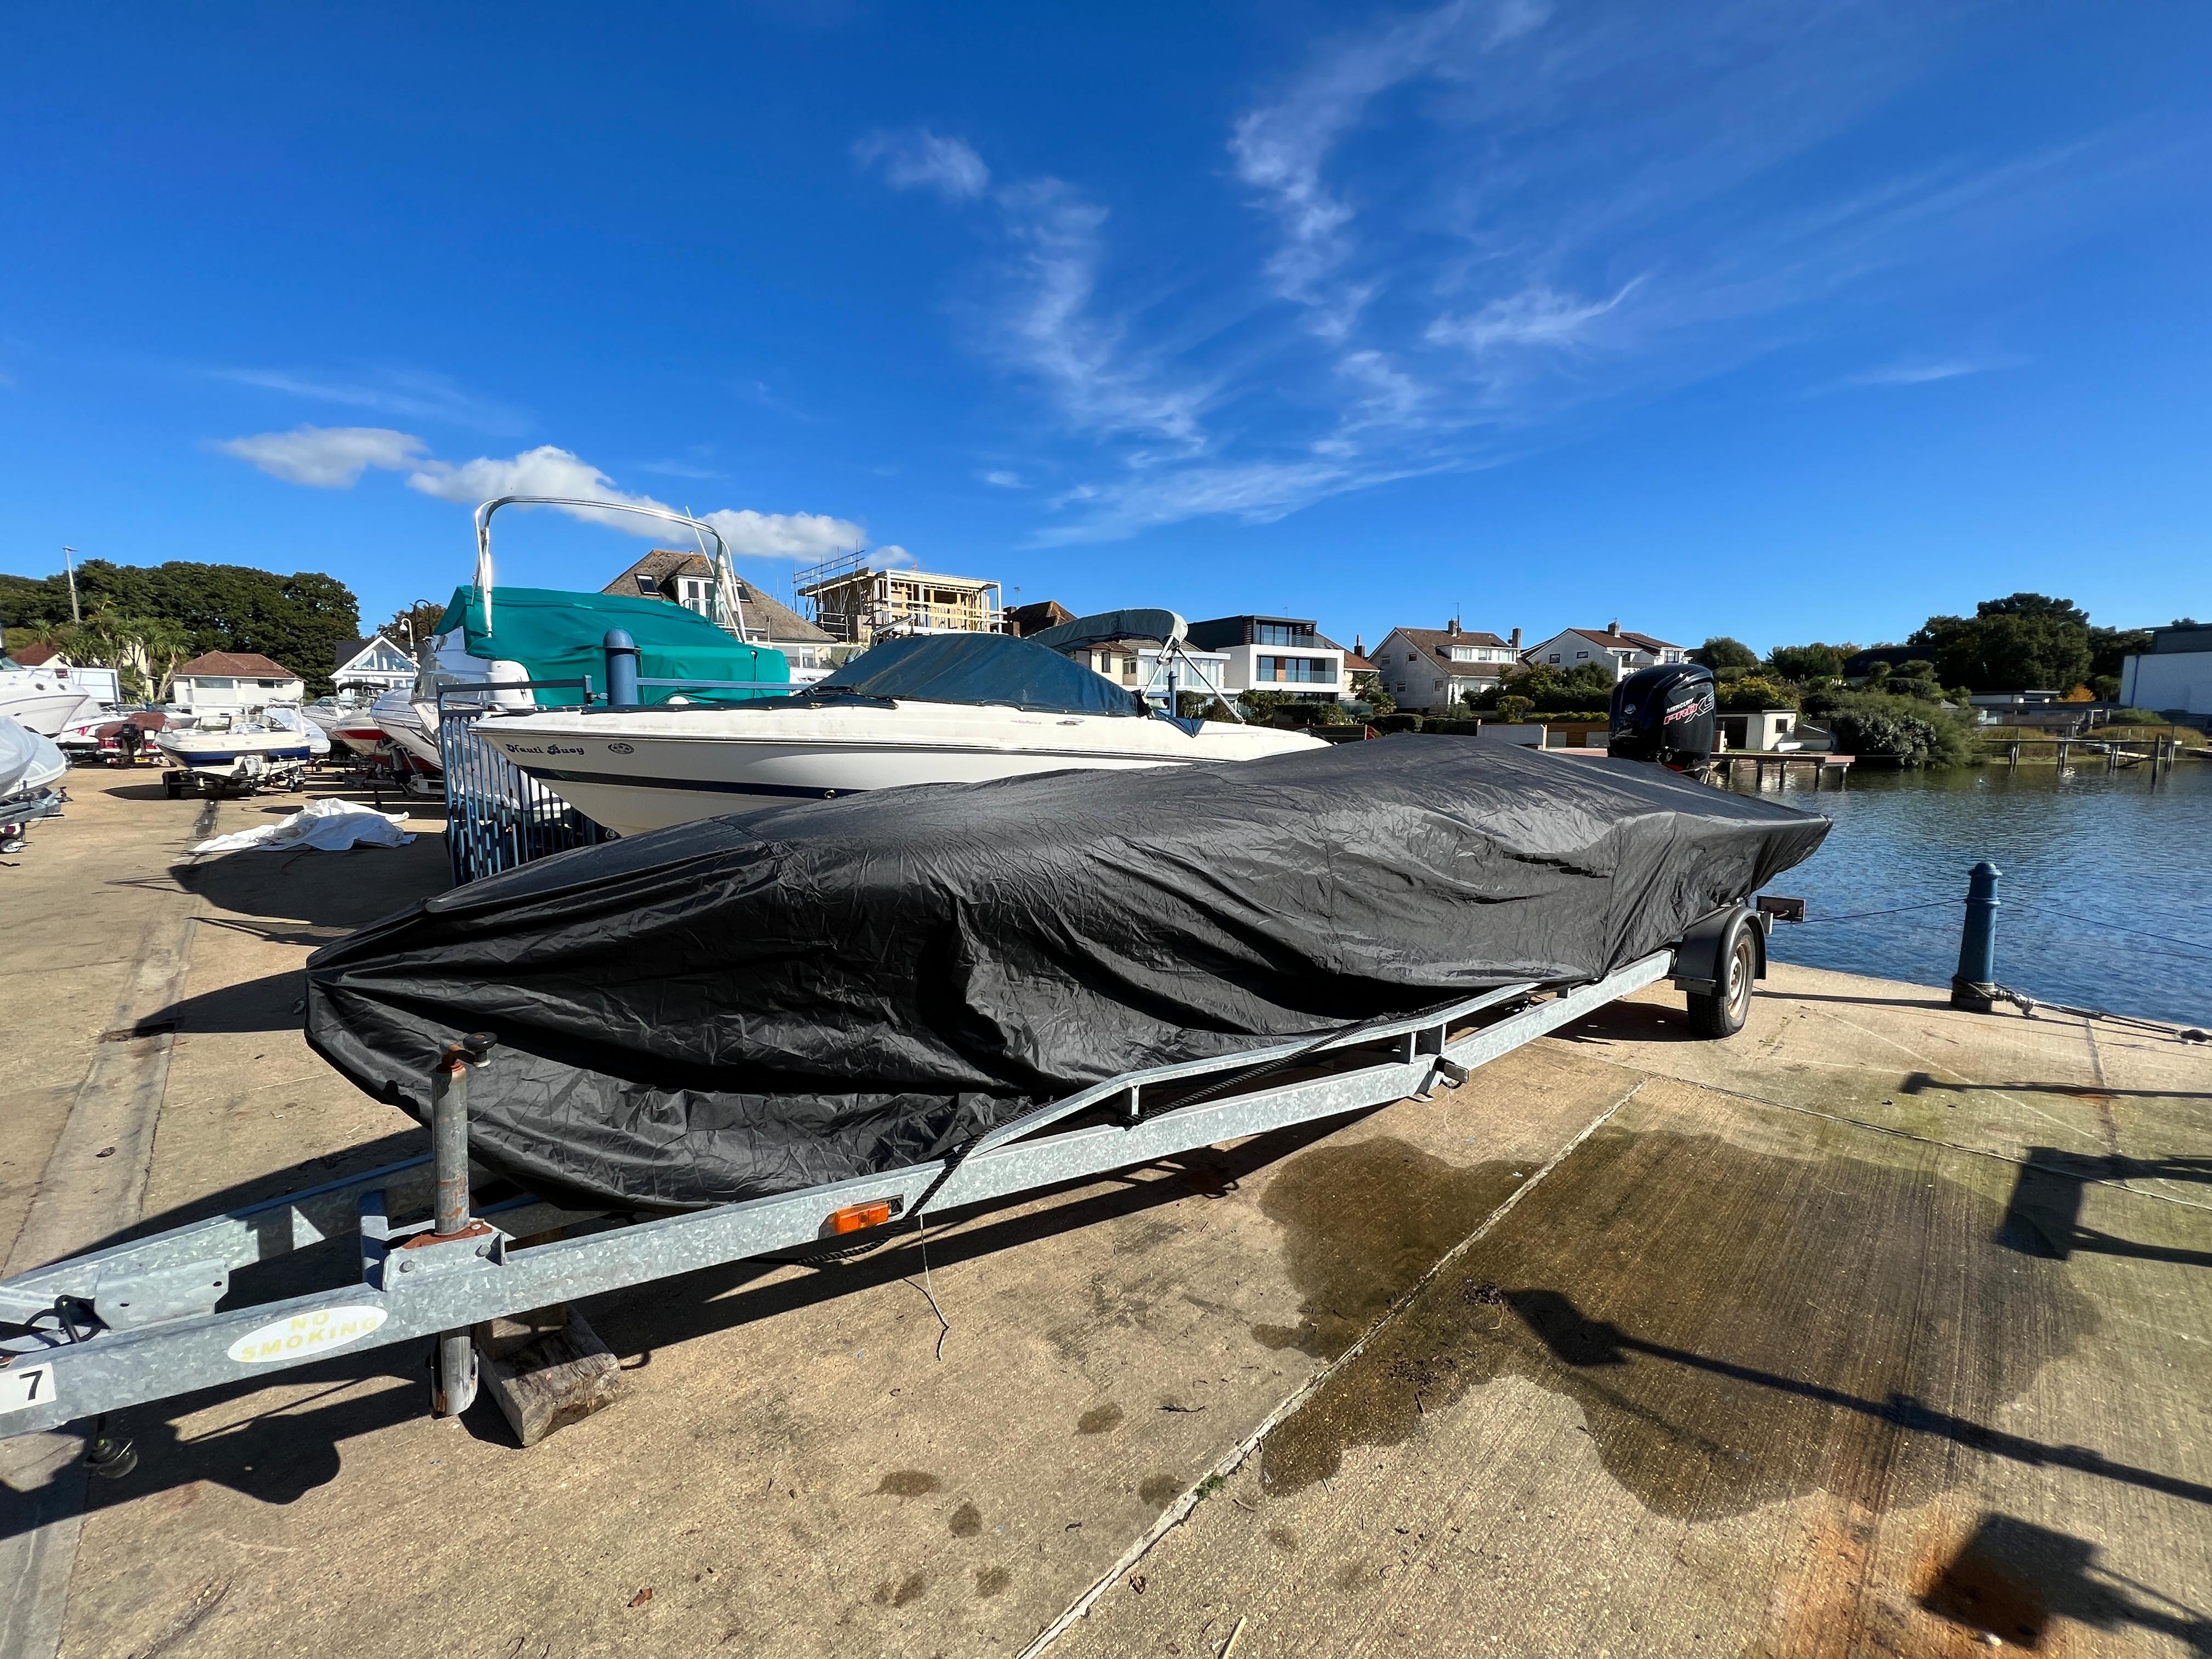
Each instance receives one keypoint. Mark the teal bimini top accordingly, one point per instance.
(558, 636)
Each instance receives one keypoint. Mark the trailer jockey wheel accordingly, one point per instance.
(1722, 1013)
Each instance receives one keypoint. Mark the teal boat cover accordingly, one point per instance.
(558, 636)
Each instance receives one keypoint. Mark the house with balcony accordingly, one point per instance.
(1274, 653)
(1624, 651)
(372, 666)
(231, 681)
(1435, 669)
(687, 579)
(854, 603)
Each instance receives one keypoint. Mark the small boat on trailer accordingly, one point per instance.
(272, 748)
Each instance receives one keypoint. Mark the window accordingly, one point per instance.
(1555, 656)
(644, 584)
(695, 593)
(1296, 670)
(1284, 634)
(1578, 656)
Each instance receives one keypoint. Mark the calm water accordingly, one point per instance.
(2117, 859)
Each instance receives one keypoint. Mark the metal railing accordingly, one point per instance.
(497, 816)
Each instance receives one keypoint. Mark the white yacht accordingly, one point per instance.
(43, 700)
(927, 709)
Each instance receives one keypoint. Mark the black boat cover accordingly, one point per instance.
(980, 668)
(801, 993)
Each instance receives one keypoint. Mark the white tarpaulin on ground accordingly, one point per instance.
(329, 826)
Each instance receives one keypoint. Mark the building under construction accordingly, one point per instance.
(857, 603)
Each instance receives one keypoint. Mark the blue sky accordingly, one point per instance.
(1788, 321)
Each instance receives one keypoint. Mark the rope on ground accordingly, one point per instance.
(2028, 1005)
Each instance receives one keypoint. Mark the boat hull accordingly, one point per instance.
(218, 754)
(48, 710)
(650, 769)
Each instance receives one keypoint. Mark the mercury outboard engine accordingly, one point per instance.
(1664, 714)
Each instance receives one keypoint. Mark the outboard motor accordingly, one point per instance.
(1664, 714)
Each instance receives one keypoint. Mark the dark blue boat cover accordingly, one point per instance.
(980, 668)
(804, 993)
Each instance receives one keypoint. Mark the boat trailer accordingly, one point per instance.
(143, 1321)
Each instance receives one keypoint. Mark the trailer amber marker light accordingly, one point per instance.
(853, 1217)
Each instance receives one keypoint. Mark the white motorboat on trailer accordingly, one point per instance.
(927, 708)
(31, 772)
(44, 701)
(272, 751)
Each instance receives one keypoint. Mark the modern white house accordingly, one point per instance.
(372, 666)
(2174, 676)
(1274, 653)
(224, 682)
(1626, 650)
(1137, 665)
(1439, 668)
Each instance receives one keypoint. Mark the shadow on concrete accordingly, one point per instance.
(2043, 1217)
(337, 891)
(280, 1455)
(1632, 1022)
(276, 1003)
(1577, 1341)
(1917, 1082)
(1931, 1001)
(2012, 1578)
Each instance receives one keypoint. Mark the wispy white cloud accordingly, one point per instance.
(1483, 227)
(335, 457)
(1539, 315)
(413, 394)
(1920, 374)
(1049, 325)
(921, 159)
(326, 457)
(679, 470)
(1001, 478)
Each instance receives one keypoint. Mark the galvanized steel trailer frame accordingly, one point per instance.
(141, 1321)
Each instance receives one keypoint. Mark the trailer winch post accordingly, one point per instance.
(456, 1386)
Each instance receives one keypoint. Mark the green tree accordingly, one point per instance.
(1809, 662)
(1907, 731)
(298, 620)
(2109, 646)
(2024, 642)
(1515, 709)
(1721, 652)
(1754, 691)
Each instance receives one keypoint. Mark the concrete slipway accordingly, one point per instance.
(1879, 1329)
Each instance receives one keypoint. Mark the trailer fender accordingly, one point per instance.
(1700, 951)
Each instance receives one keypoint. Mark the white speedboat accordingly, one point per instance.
(930, 708)
(269, 748)
(44, 700)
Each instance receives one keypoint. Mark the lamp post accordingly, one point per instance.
(68, 562)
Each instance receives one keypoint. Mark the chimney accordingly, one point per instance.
(1452, 627)
(1613, 627)
(1516, 638)
(1360, 645)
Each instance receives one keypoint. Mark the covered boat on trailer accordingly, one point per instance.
(805, 994)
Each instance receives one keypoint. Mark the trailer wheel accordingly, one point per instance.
(1722, 1013)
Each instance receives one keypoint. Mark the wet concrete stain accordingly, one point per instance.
(908, 1588)
(1159, 1490)
(991, 1580)
(1736, 1329)
(1362, 1222)
(967, 1521)
(908, 1483)
(1098, 1419)
(1282, 1538)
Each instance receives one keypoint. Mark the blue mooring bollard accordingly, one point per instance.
(1974, 987)
(622, 667)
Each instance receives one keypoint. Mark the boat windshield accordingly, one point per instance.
(979, 668)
